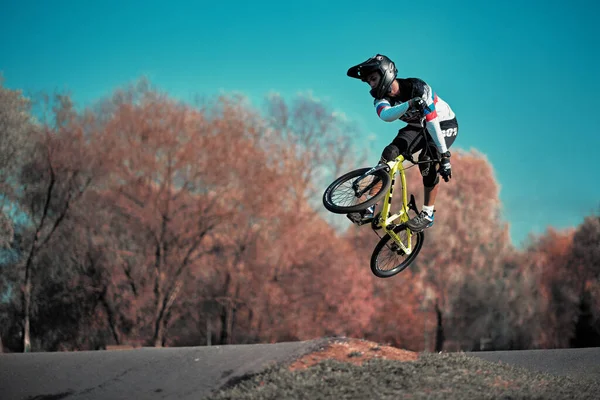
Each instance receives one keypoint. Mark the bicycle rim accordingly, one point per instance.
(388, 259)
(340, 197)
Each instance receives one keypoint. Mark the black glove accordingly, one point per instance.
(417, 104)
(445, 167)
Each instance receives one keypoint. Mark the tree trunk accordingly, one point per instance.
(225, 311)
(27, 297)
(167, 298)
(439, 334)
(159, 328)
(111, 318)
(159, 295)
(208, 333)
(227, 321)
(28, 264)
(232, 310)
(232, 318)
(224, 324)
(27, 310)
(159, 336)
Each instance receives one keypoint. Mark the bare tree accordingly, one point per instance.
(17, 133)
(56, 177)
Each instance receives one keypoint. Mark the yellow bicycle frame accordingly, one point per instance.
(396, 167)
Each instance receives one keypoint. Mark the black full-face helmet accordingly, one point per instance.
(379, 63)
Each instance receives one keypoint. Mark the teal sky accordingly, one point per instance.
(521, 76)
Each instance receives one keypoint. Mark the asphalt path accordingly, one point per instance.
(193, 372)
(584, 363)
(144, 373)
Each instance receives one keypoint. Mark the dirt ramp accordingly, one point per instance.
(353, 351)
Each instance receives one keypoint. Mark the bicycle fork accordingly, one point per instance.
(355, 184)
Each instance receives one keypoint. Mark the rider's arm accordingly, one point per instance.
(432, 121)
(388, 113)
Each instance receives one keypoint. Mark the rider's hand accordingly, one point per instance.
(445, 167)
(417, 104)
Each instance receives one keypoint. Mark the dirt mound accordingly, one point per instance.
(358, 369)
(354, 351)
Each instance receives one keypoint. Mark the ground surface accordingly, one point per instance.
(331, 368)
(357, 369)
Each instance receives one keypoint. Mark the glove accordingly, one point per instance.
(417, 104)
(445, 167)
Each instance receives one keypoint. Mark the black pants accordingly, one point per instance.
(410, 140)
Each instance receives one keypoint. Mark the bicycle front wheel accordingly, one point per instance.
(388, 258)
(346, 194)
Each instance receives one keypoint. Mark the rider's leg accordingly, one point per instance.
(430, 193)
(429, 171)
(405, 138)
(431, 178)
(401, 143)
(425, 218)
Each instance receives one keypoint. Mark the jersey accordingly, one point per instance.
(392, 108)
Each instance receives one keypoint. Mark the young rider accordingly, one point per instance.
(412, 101)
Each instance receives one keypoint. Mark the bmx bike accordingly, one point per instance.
(355, 191)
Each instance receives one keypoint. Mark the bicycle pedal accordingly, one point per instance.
(358, 219)
(375, 222)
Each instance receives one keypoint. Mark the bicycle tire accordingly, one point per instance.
(338, 209)
(419, 237)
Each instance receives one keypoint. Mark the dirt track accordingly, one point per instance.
(432, 376)
(195, 372)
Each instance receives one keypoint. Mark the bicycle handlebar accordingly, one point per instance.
(408, 157)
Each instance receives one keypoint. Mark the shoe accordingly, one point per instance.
(362, 217)
(420, 222)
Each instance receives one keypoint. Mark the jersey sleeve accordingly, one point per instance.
(390, 113)
(431, 119)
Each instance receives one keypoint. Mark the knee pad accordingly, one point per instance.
(389, 153)
(428, 171)
(424, 167)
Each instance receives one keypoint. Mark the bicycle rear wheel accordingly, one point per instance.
(346, 194)
(388, 259)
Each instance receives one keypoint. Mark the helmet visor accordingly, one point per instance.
(364, 69)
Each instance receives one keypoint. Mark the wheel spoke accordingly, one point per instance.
(388, 257)
(341, 198)
(345, 196)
